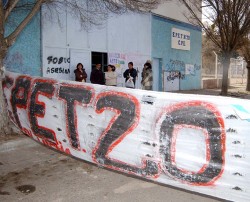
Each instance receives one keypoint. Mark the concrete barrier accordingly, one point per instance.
(198, 143)
(211, 83)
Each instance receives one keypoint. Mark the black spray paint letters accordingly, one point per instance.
(202, 118)
(57, 60)
(37, 109)
(20, 96)
(57, 70)
(72, 96)
(127, 108)
(120, 126)
(173, 75)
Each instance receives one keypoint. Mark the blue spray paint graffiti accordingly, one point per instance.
(178, 65)
(175, 65)
(14, 62)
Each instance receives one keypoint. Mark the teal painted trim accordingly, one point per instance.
(178, 23)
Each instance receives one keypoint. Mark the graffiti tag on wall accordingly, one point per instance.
(120, 130)
(184, 69)
(56, 65)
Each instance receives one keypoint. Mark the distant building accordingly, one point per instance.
(163, 36)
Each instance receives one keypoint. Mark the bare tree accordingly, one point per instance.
(87, 11)
(231, 21)
(208, 56)
(244, 51)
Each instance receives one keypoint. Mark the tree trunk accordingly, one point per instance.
(226, 65)
(7, 128)
(248, 76)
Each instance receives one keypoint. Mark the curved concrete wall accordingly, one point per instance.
(194, 142)
(176, 59)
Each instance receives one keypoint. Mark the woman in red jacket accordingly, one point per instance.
(80, 74)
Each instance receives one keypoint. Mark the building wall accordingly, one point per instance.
(132, 37)
(175, 59)
(128, 35)
(24, 56)
(174, 10)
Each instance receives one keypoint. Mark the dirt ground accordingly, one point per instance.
(236, 91)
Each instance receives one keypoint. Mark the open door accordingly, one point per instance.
(157, 70)
(171, 80)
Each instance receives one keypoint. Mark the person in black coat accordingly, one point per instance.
(97, 76)
(130, 72)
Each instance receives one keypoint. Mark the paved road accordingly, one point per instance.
(51, 176)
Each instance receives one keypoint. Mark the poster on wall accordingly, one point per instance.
(189, 69)
(180, 39)
(56, 63)
(119, 61)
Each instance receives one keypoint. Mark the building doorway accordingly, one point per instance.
(157, 74)
(99, 58)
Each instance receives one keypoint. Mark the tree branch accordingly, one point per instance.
(11, 6)
(12, 37)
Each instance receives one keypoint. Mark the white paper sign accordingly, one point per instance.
(180, 39)
(189, 69)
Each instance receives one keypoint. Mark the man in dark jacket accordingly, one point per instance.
(97, 76)
(130, 72)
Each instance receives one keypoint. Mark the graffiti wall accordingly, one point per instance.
(198, 143)
(180, 51)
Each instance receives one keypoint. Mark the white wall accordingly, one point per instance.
(130, 33)
(174, 10)
(127, 34)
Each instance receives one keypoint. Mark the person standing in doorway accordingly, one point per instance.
(130, 74)
(110, 76)
(80, 74)
(147, 77)
(97, 76)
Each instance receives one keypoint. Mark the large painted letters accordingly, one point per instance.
(20, 96)
(200, 115)
(198, 143)
(72, 95)
(37, 109)
(126, 119)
